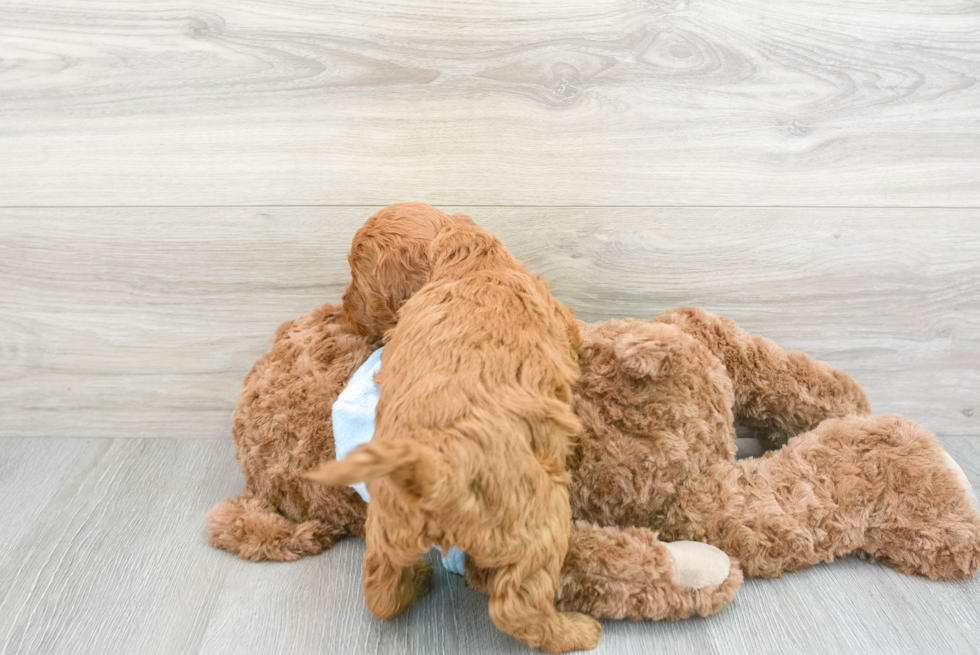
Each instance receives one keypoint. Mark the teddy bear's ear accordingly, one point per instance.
(645, 350)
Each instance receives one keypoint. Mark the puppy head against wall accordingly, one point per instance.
(390, 261)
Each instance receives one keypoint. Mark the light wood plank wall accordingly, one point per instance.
(595, 102)
(143, 322)
(177, 179)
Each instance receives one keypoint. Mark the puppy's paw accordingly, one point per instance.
(420, 576)
(697, 565)
(578, 632)
(413, 583)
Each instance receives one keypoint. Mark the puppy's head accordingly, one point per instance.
(390, 261)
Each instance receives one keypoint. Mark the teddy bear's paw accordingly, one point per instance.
(961, 476)
(697, 565)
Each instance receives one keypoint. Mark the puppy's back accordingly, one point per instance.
(483, 342)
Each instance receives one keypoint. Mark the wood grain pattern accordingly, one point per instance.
(106, 553)
(143, 322)
(595, 102)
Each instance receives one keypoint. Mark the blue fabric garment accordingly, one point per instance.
(455, 561)
(353, 412)
(353, 425)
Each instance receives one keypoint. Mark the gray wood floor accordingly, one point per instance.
(104, 551)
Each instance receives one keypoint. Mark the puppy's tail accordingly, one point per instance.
(413, 467)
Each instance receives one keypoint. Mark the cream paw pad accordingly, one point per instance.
(698, 565)
(951, 463)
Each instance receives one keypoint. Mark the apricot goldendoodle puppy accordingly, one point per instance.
(473, 423)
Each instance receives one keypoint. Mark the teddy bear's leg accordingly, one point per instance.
(928, 521)
(778, 394)
(879, 486)
(614, 573)
(249, 526)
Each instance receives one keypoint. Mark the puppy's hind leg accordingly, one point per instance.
(394, 575)
(524, 606)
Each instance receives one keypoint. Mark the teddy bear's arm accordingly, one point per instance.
(778, 394)
(627, 573)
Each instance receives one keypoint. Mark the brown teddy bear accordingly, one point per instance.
(658, 400)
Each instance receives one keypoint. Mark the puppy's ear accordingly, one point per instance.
(400, 272)
(356, 318)
(385, 274)
(412, 467)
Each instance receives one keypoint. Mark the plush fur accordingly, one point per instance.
(675, 466)
(658, 400)
(473, 423)
(853, 483)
